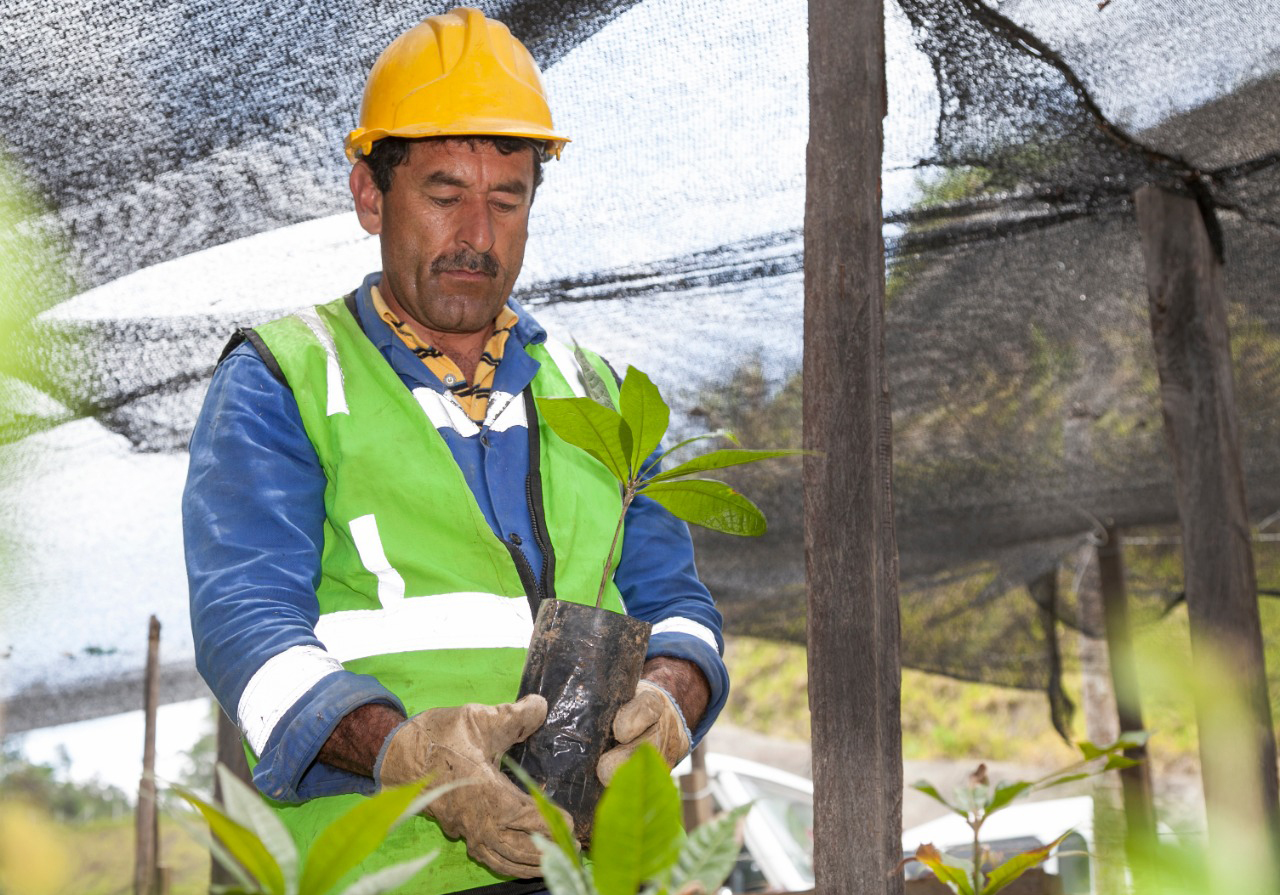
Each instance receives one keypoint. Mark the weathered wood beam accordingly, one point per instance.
(1193, 355)
(850, 546)
(1139, 804)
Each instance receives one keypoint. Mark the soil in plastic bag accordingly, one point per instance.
(586, 662)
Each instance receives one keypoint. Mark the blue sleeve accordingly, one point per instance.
(253, 531)
(659, 583)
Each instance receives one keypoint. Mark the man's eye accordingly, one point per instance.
(444, 201)
(504, 206)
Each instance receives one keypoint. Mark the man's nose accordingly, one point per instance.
(475, 230)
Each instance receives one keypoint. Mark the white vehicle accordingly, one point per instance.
(777, 846)
(777, 850)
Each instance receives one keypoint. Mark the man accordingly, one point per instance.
(372, 512)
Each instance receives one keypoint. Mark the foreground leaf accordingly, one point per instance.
(710, 504)
(720, 459)
(388, 878)
(560, 832)
(710, 852)
(245, 805)
(592, 383)
(945, 869)
(597, 430)
(563, 875)
(1018, 865)
(243, 845)
(931, 791)
(637, 833)
(645, 413)
(1006, 793)
(198, 829)
(357, 833)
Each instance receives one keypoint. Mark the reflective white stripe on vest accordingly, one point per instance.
(506, 411)
(445, 412)
(337, 393)
(443, 621)
(686, 626)
(563, 356)
(364, 531)
(276, 686)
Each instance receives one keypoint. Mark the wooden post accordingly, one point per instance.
(146, 819)
(695, 791)
(1139, 807)
(230, 752)
(1193, 356)
(850, 546)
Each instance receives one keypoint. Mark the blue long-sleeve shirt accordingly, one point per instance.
(253, 524)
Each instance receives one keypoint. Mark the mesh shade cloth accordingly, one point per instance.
(187, 162)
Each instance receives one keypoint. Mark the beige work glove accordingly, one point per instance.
(651, 716)
(465, 743)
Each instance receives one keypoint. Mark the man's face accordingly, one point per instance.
(453, 228)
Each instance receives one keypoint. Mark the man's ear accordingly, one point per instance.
(367, 197)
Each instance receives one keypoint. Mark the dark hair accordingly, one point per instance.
(389, 152)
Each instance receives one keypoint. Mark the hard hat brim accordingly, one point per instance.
(360, 141)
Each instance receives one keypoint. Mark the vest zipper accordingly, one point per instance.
(527, 579)
(537, 512)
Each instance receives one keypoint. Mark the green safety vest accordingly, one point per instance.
(427, 600)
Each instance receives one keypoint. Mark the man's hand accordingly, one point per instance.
(671, 697)
(465, 743)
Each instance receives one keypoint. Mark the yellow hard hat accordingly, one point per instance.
(453, 75)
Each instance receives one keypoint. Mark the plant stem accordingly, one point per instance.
(628, 495)
(977, 856)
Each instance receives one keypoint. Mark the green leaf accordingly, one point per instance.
(198, 830)
(931, 791)
(1006, 793)
(1090, 751)
(245, 805)
(1132, 739)
(1120, 762)
(719, 460)
(710, 504)
(563, 875)
(356, 833)
(1018, 865)
(559, 827)
(1070, 778)
(645, 413)
(242, 844)
(637, 835)
(944, 869)
(592, 383)
(388, 878)
(597, 430)
(710, 852)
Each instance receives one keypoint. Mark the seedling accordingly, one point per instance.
(637, 843)
(258, 851)
(979, 800)
(623, 437)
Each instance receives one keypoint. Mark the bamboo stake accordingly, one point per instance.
(146, 818)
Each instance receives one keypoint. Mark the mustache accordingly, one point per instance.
(465, 259)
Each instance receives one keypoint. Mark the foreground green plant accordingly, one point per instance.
(255, 848)
(638, 843)
(622, 437)
(977, 801)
